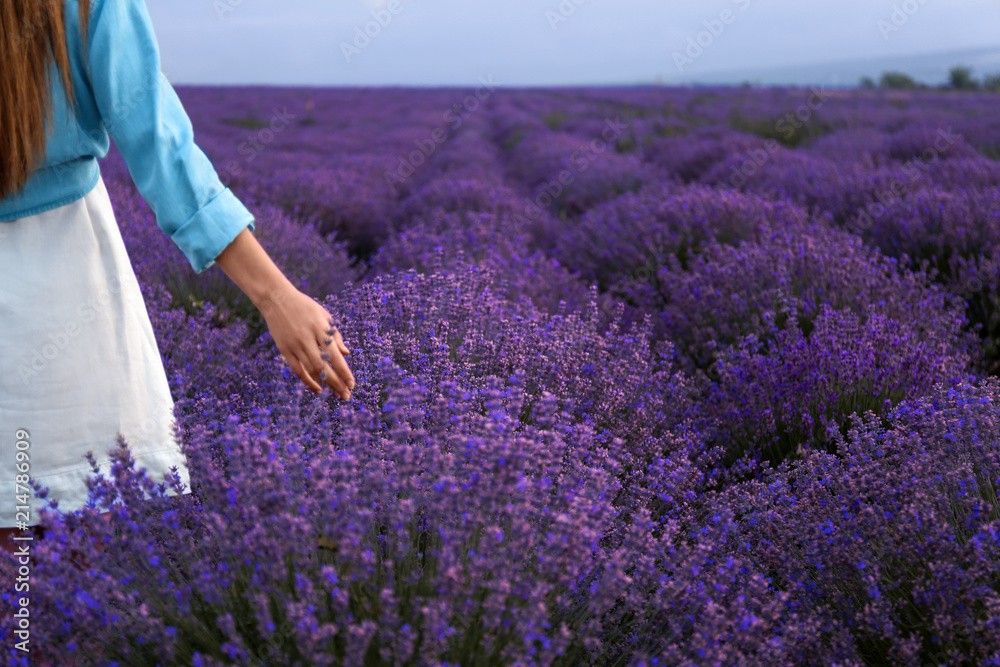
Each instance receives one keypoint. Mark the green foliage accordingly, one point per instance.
(626, 110)
(626, 144)
(991, 82)
(960, 78)
(513, 140)
(629, 111)
(897, 81)
(990, 151)
(867, 83)
(669, 129)
(192, 291)
(250, 121)
(702, 99)
(787, 129)
(555, 119)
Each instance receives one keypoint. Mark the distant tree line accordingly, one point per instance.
(959, 78)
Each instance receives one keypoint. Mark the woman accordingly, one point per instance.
(78, 359)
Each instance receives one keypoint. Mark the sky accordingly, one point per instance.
(554, 42)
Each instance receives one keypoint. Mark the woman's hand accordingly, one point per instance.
(299, 325)
(301, 328)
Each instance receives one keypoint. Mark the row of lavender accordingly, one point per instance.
(711, 365)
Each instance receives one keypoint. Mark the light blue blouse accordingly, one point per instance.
(121, 90)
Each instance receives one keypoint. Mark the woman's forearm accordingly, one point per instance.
(253, 271)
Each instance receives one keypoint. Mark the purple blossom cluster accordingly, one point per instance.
(630, 237)
(893, 542)
(953, 234)
(650, 376)
(438, 241)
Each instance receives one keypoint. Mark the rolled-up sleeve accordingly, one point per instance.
(153, 133)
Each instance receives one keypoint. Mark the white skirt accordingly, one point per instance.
(79, 362)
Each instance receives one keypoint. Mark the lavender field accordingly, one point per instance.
(649, 376)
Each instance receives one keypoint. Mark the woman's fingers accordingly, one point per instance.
(335, 361)
(340, 367)
(305, 334)
(324, 371)
(300, 371)
(335, 338)
(340, 343)
(335, 381)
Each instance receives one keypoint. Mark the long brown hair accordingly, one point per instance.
(32, 35)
